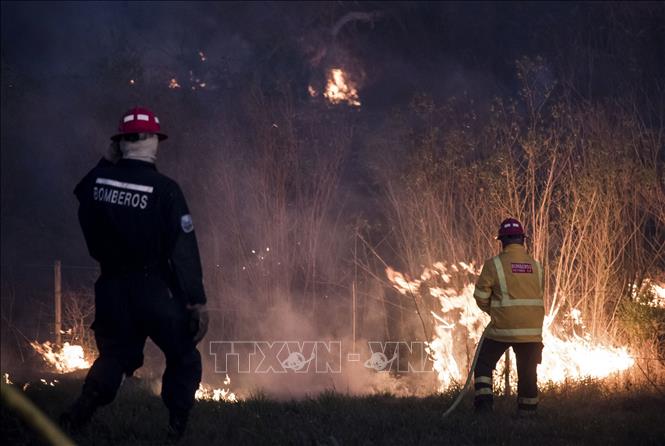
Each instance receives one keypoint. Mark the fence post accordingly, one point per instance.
(353, 321)
(507, 371)
(57, 286)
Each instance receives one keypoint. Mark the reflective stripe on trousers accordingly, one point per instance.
(483, 386)
(528, 355)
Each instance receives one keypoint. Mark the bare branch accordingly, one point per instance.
(354, 16)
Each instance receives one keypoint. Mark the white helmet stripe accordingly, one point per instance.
(128, 118)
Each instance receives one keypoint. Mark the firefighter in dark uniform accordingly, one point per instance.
(137, 226)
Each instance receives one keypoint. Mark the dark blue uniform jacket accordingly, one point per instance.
(136, 219)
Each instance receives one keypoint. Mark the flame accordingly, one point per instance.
(312, 91)
(650, 293)
(659, 289)
(208, 393)
(579, 357)
(658, 292)
(173, 84)
(71, 357)
(65, 359)
(564, 358)
(339, 89)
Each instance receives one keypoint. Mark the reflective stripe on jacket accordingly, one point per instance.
(136, 219)
(510, 290)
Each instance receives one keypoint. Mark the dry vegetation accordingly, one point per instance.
(589, 412)
(582, 177)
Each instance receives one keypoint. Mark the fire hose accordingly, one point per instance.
(468, 378)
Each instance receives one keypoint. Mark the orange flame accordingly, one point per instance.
(65, 359)
(564, 358)
(657, 290)
(71, 357)
(339, 89)
(208, 393)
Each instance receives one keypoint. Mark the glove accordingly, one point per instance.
(113, 152)
(198, 321)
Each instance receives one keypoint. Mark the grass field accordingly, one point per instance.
(578, 413)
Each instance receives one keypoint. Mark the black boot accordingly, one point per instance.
(177, 425)
(483, 406)
(79, 414)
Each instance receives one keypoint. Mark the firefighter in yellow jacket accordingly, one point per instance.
(510, 290)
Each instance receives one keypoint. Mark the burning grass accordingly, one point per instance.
(64, 359)
(339, 89)
(586, 412)
(209, 393)
(70, 358)
(572, 356)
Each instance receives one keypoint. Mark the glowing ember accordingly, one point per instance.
(65, 359)
(131, 82)
(207, 393)
(195, 82)
(312, 92)
(173, 84)
(339, 89)
(573, 357)
(6, 379)
(202, 56)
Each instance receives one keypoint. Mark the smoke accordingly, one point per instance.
(321, 354)
(263, 165)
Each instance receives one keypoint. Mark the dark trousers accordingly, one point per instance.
(528, 354)
(129, 308)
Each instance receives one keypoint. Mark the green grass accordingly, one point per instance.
(577, 413)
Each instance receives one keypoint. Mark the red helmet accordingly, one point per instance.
(510, 226)
(138, 120)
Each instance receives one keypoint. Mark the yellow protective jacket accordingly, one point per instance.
(510, 290)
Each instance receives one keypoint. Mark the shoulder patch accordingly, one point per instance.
(186, 223)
